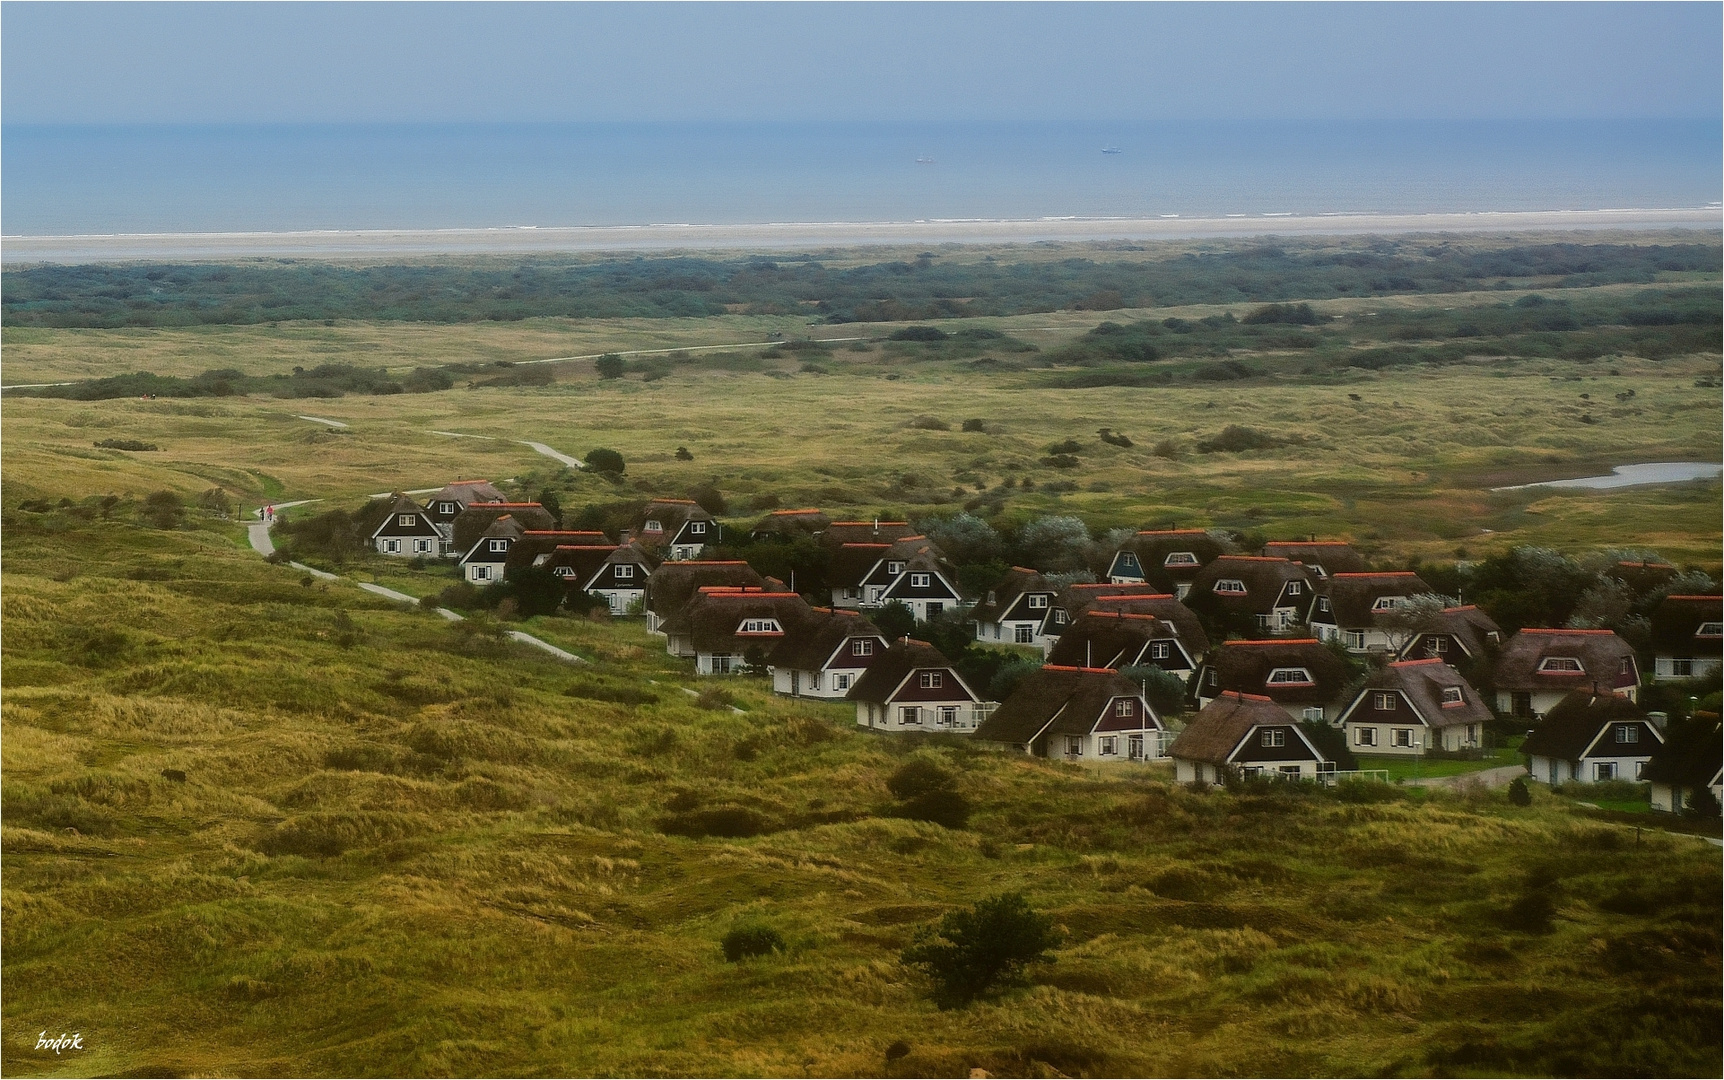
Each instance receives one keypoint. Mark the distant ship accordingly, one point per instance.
(1112, 150)
(924, 161)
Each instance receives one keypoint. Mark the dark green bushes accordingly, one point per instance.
(972, 954)
(745, 942)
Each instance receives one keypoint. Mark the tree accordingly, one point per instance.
(965, 538)
(164, 509)
(1518, 792)
(1055, 543)
(710, 499)
(605, 461)
(1402, 623)
(895, 620)
(609, 366)
(1164, 690)
(553, 505)
(973, 953)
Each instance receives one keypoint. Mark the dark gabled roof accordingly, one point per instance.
(890, 670)
(583, 560)
(1676, 623)
(1334, 556)
(536, 542)
(402, 505)
(1469, 626)
(791, 523)
(673, 583)
(635, 555)
(906, 551)
(1104, 639)
(1153, 546)
(1004, 593)
(820, 636)
(671, 514)
(1216, 732)
(924, 560)
(1351, 595)
(1164, 606)
(1423, 682)
(851, 562)
(1264, 579)
(1600, 652)
(865, 532)
(503, 526)
(1689, 758)
(466, 492)
(712, 616)
(1573, 724)
(1070, 699)
(472, 523)
(1244, 666)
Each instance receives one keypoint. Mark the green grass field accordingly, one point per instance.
(395, 854)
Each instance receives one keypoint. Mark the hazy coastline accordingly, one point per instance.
(369, 243)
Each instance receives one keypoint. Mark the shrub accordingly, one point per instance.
(974, 425)
(1235, 438)
(745, 942)
(1061, 461)
(605, 461)
(918, 333)
(1518, 792)
(1164, 690)
(714, 699)
(126, 444)
(930, 423)
(972, 953)
(1292, 314)
(709, 498)
(609, 366)
(682, 454)
(1166, 448)
(163, 509)
(728, 822)
(215, 501)
(1069, 446)
(945, 808)
(895, 620)
(918, 776)
(1115, 438)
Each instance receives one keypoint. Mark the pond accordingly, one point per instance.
(1651, 472)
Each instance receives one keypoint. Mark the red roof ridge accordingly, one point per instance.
(1709, 596)
(1026, 569)
(1247, 697)
(1255, 558)
(1376, 573)
(588, 547)
(1562, 630)
(805, 510)
(747, 594)
(679, 502)
(1274, 641)
(454, 483)
(472, 505)
(870, 523)
(868, 545)
(564, 532)
(1070, 667)
(1415, 663)
(1133, 596)
(1306, 543)
(908, 640)
(1463, 607)
(709, 562)
(1121, 615)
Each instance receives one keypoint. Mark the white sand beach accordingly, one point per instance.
(364, 244)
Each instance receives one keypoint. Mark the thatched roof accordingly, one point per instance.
(1005, 592)
(865, 532)
(1574, 723)
(1689, 758)
(475, 521)
(1112, 639)
(464, 493)
(1600, 652)
(1245, 667)
(1676, 623)
(674, 583)
(1351, 596)
(789, 524)
(538, 542)
(712, 619)
(1325, 557)
(821, 635)
(1214, 734)
(1060, 700)
(1422, 682)
(581, 561)
(907, 655)
(1264, 579)
(1473, 630)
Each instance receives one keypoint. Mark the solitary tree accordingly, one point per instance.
(605, 461)
(609, 366)
(973, 953)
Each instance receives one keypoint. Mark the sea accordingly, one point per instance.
(81, 180)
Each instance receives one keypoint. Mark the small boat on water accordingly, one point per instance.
(924, 161)
(1112, 150)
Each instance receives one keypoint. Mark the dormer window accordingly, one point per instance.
(760, 626)
(697, 528)
(1038, 601)
(862, 647)
(1710, 629)
(1388, 603)
(1230, 585)
(563, 571)
(1128, 560)
(1161, 650)
(1122, 707)
(1627, 733)
(920, 581)
(1273, 737)
(445, 508)
(932, 680)
(406, 520)
(894, 568)
(1318, 570)
(1323, 604)
(1452, 696)
(652, 526)
(1295, 588)
(500, 545)
(623, 571)
(1059, 617)
(1383, 702)
(1179, 558)
(1291, 676)
(991, 599)
(1560, 664)
(1627, 665)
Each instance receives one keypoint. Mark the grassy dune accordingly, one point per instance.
(395, 854)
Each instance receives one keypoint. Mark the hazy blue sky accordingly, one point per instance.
(101, 63)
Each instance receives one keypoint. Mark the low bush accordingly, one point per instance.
(974, 425)
(917, 333)
(726, 822)
(1235, 438)
(745, 942)
(918, 776)
(126, 444)
(930, 423)
(608, 462)
(945, 808)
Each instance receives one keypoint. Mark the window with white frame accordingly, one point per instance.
(760, 626)
(1626, 667)
(1038, 601)
(1295, 588)
(1365, 736)
(894, 568)
(841, 681)
(1323, 604)
(1388, 603)
(1639, 770)
(421, 547)
(909, 714)
(499, 545)
(697, 528)
(1682, 665)
(1180, 558)
(1074, 746)
(623, 571)
(932, 680)
(1273, 737)
(481, 572)
(921, 581)
(814, 680)
(1627, 733)
(1059, 617)
(1560, 663)
(1452, 696)
(1290, 676)
(1354, 639)
(1710, 629)
(1134, 747)
(948, 716)
(652, 526)
(1109, 746)
(1231, 586)
(1023, 634)
(1403, 736)
(1604, 770)
(1161, 650)
(1314, 714)
(1291, 772)
(1438, 645)
(991, 599)
(862, 647)
(445, 508)
(406, 521)
(1124, 707)
(392, 545)
(563, 571)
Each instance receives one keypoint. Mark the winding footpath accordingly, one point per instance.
(258, 533)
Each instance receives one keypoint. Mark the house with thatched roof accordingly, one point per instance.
(1166, 559)
(839, 533)
(537, 544)
(827, 655)
(1079, 714)
(1687, 637)
(1539, 667)
(1323, 558)
(470, 524)
(726, 630)
(1455, 635)
(1123, 634)
(673, 584)
(680, 529)
(790, 525)
(489, 553)
(446, 505)
(1358, 610)
(1411, 707)
(1014, 608)
(1247, 733)
(1590, 736)
(1690, 761)
(407, 531)
(913, 687)
(1251, 595)
(1303, 676)
(573, 564)
(621, 577)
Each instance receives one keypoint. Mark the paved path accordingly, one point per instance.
(1502, 776)
(573, 463)
(258, 531)
(321, 420)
